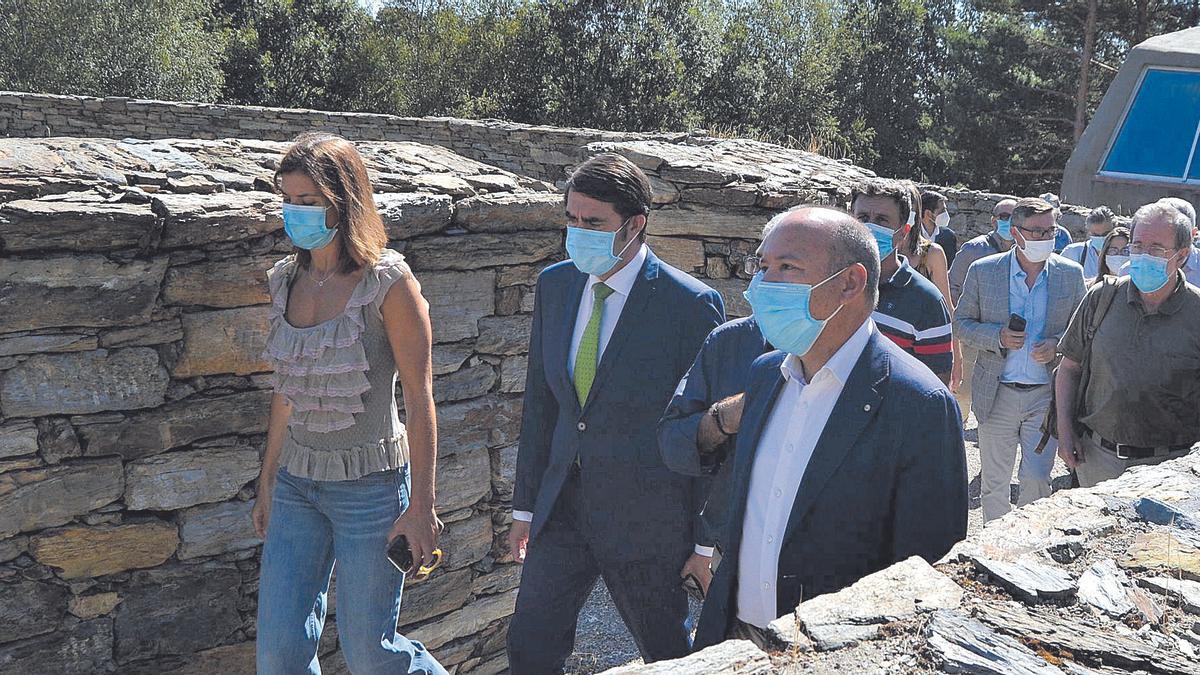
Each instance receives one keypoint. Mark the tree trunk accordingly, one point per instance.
(1085, 66)
(1141, 23)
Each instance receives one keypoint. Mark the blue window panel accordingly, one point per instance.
(1156, 137)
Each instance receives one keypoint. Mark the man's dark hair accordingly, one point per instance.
(930, 200)
(1029, 206)
(853, 243)
(612, 179)
(899, 191)
(1101, 214)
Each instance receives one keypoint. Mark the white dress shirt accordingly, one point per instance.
(622, 284)
(787, 443)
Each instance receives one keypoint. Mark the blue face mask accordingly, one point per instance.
(1149, 273)
(782, 312)
(592, 250)
(1097, 243)
(1004, 229)
(883, 239)
(305, 226)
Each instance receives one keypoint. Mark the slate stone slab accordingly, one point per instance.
(965, 645)
(737, 657)
(30, 608)
(177, 610)
(1183, 591)
(85, 650)
(1106, 588)
(1028, 579)
(88, 382)
(1083, 640)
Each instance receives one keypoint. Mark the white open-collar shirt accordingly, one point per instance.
(794, 425)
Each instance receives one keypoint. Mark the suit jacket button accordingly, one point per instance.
(581, 426)
(867, 408)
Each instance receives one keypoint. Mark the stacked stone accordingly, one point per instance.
(133, 397)
(531, 150)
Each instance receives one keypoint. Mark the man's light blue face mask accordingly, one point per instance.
(592, 250)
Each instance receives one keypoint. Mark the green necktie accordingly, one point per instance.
(589, 345)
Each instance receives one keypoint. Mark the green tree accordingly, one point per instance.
(166, 49)
(323, 54)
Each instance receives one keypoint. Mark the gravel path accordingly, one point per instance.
(602, 641)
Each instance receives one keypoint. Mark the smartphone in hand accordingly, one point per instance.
(1016, 323)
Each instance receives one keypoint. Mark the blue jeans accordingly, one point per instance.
(312, 524)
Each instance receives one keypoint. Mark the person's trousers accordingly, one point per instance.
(1100, 464)
(1014, 420)
(561, 567)
(314, 523)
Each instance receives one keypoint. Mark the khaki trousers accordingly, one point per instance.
(1101, 464)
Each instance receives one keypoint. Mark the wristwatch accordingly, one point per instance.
(714, 412)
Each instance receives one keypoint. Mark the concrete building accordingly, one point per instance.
(1142, 142)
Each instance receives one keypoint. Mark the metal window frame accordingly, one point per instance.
(1112, 139)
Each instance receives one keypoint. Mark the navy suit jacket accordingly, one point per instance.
(886, 481)
(720, 371)
(638, 508)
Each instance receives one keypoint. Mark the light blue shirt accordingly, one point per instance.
(1030, 303)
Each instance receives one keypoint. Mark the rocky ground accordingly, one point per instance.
(602, 641)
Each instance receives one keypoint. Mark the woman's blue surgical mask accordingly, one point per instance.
(782, 312)
(1004, 229)
(883, 239)
(592, 250)
(1149, 273)
(305, 226)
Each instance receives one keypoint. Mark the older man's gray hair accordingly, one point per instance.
(1169, 214)
(1183, 206)
(775, 220)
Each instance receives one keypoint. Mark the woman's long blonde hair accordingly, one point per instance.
(334, 165)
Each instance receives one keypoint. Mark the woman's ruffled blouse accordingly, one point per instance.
(322, 371)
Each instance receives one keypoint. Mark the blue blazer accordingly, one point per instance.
(887, 480)
(643, 508)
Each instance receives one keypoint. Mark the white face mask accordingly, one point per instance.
(1114, 263)
(942, 219)
(1038, 251)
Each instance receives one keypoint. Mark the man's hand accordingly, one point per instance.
(730, 411)
(1044, 351)
(518, 540)
(699, 566)
(1069, 448)
(421, 527)
(1011, 339)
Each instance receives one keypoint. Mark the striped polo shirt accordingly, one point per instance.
(913, 314)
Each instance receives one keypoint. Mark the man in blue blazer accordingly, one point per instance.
(849, 453)
(614, 329)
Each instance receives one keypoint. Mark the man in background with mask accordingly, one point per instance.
(614, 329)
(999, 240)
(1013, 309)
(1141, 394)
(1099, 223)
(1062, 236)
(832, 479)
(911, 311)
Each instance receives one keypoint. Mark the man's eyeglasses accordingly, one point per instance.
(1155, 250)
(1038, 234)
(751, 264)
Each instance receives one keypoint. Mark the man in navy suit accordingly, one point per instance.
(614, 329)
(849, 453)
